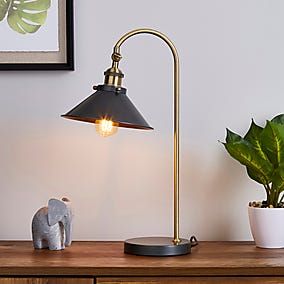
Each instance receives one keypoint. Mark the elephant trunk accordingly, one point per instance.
(68, 232)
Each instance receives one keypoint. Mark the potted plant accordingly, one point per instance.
(261, 151)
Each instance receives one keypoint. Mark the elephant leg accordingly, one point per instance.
(55, 243)
(40, 243)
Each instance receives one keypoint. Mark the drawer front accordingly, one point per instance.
(191, 280)
(46, 281)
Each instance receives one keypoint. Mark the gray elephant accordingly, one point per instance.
(52, 225)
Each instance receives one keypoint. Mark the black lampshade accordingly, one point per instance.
(109, 102)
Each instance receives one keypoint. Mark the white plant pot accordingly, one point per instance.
(266, 226)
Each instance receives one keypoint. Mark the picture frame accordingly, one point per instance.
(51, 47)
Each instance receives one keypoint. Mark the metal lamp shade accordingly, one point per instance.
(109, 102)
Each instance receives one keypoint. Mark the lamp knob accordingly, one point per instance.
(118, 90)
(116, 57)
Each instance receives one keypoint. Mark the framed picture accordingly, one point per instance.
(36, 35)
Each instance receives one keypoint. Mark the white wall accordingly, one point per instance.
(232, 69)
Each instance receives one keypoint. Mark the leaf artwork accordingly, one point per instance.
(261, 151)
(24, 16)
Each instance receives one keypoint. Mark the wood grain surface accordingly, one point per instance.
(46, 281)
(106, 259)
(192, 280)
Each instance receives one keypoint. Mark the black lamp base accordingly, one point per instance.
(156, 246)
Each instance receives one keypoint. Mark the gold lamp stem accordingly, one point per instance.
(116, 58)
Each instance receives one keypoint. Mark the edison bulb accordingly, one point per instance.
(106, 127)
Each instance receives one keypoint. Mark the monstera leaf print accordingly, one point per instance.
(24, 16)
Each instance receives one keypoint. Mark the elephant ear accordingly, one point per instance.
(56, 210)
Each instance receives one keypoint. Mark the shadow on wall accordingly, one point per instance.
(217, 197)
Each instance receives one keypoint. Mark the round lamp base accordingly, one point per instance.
(156, 246)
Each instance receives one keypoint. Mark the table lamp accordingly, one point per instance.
(110, 108)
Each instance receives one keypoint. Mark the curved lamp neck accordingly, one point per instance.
(114, 76)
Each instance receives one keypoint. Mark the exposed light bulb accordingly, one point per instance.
(106, 127)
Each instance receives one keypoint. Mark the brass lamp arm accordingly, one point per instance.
(116, 58)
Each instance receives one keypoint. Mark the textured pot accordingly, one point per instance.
(266, 226)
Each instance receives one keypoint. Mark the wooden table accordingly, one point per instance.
(105, 263)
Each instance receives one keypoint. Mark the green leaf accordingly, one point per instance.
(232, 137)
(257, 176)
(253, 137)
(278, 119)
(272, 141)
(278, 179)
(259, 169)
(35, 5)
(4, 6)
(25, 16)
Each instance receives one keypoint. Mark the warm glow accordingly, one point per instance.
(106, 127)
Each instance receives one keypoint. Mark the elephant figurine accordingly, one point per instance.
(52, 225)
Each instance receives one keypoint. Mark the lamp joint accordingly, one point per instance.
(116, 57)
(176, 241)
